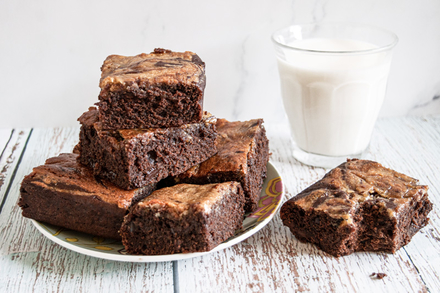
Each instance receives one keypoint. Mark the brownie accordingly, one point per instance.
(358, 206)
(243, 153)
(64, 193)
(160, 89)
(184, 218)
(132, 158)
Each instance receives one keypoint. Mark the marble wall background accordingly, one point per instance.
(51, 51)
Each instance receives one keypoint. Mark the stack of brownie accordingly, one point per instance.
(182, 179)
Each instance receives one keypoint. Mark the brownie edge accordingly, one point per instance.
(358, 206)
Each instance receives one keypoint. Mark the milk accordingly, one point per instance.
(333, 99)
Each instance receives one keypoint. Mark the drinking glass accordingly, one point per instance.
(333, 80)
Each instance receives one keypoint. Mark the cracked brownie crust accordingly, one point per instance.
(160, 89)
(358, 206)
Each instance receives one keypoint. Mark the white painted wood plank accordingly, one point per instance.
(274, 261)
(12, 143)
(32, 263)
(411, 145)
(55, 269)
(270, 261)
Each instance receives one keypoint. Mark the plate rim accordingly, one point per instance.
(165, 257)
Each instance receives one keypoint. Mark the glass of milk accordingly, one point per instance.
(333, 82)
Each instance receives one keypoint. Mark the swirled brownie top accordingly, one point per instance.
(183, 197)
(234, 141)
(346, 187)
(63, 174)
(160, 66)
(91, 118)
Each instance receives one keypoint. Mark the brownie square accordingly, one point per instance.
(64, 193)
(243, 153)
(358, 206)
(184, 218)
(160, 89)
(133, 158)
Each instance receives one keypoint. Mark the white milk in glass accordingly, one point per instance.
(333, 99)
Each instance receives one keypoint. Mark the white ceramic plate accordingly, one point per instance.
(268, 205)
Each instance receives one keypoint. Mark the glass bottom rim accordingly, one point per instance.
(323, 161)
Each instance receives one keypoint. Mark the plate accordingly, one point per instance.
(111, 249)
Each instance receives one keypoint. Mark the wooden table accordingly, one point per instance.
(272, 260)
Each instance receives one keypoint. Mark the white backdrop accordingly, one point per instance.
(51, 51)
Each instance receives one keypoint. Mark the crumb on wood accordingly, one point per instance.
(378, 275)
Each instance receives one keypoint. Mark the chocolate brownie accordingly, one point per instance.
(160, 89)
(133, 158)
(64, 193)
(184, 218)
(243, 153)
(358, 206)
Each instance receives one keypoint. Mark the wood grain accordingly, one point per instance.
(5, 135)
(12, 145)
(32, 263)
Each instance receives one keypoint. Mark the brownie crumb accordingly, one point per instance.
(378, 275)
(161, 51)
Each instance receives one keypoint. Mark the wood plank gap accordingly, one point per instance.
(15, 170)
(176, 277)
(417, 269)
(7, 143)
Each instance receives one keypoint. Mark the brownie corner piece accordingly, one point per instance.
(242, 155)
(184, 218)
(132, 158)
(160, 89)
(358, 206)
(64, 193)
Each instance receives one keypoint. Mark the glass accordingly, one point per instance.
(333, 82)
